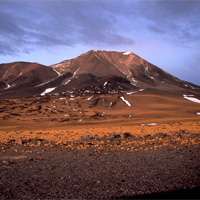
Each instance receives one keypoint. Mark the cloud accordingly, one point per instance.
(28, 25)
(176, 21)
(46, 24)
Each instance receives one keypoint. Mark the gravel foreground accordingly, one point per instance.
(109, 173)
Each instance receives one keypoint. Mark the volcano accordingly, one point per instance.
(94, 72)
(103, 108)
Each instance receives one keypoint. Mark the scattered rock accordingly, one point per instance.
(96, 137)
(113, 136)
(119, 135)
(11, 141)
(148, 136)
(86, 137)
(127, 134)
(5, 162)
(98, 182)
(18, 141)
(162, 135)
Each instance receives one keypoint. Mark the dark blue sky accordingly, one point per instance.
(165, 33)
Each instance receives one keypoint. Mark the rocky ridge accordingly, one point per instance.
(94, 72)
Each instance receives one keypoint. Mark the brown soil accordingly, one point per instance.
(99, 157)
(100, 168)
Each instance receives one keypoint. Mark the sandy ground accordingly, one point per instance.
(153, 154)
(102, 166)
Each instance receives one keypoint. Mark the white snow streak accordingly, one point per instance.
(105, 83)
(150, 124)
(131, 93)
(76, 71)
(59, 74)
(47, 91)
(72, 76)
(127, 53)
(5, 73)
(198, 113)
(8, 86)
(89, 98)
(147, 68)
(134, 80)
(188, 97)
(21, 73)
(124, 100)
(152, 77)
(67, 82)
(121, 70)
(140, 90)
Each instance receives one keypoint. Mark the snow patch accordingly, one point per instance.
(76, 71)
(188, 97)
(124, 100)
(198, 113)
(127, 53)
(5, 73)
(47, 91)
(130, 93)
(72, 76)
(150, 124)
(152, 77)
(59, 74)
(8, 86)
(121, 70)
(147, 68)
(43, 83)
(67, 82)
(134, 80)
(89, 98)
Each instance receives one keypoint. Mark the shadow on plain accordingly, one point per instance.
(177, 194)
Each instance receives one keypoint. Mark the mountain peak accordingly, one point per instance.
(109, 51)
(96, 71)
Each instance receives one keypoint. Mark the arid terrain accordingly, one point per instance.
(143, 145)
(104, 125)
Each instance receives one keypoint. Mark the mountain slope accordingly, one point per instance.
(138, 72)
(19, 79)
(94, 72)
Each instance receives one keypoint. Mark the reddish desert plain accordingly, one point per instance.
(143, 145)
